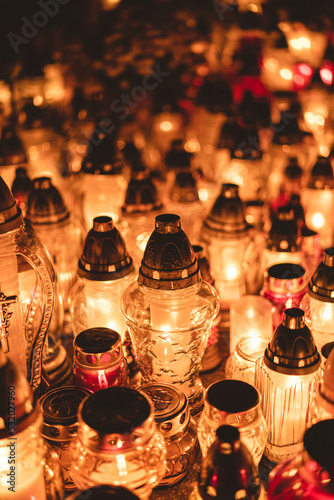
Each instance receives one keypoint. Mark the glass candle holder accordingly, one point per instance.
(170, 311)
(236, 403)
(29, 469)
(286, 376)
(21, 188)
(318, 200)
(251, 316)
(118, 442)
(59, 408)
(318, 302)
(98, 359)
(52, 222)
(12, 154)
(284, 286)
(178, 428)
(226, 236)
(105, 270)
(309, 474)
(228, 471)
(240, 364)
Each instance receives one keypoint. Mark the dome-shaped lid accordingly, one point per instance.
(292, 350)
(10, 215)
(321, 175)
(228, 471)
(184, 189)
(215, 94)
(103, 158)
(105, 492)
(321, 285)
(22, 399)
(230, 134)
(319, 444)
(141, 195)
(255, 112)
(169, 262)
(227, 218)
(104, 256)
(11, 148)
(115, 414)
(284, 233)
(45, 203)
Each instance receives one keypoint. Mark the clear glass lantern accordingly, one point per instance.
(141, 206)
(59, 409)
(286, 377)
(237, 403)
(240, 364)
(228, 471)
(101, 184)
(170, 310)
(105, 270)
(318, 201)
(250, 316)
(226, 237)
(322, 405)
(179, 429)
(285, 286)
(318, 302)
(309, 474)
(29, 469)
(53, 224)
(284, 241)
(118, 442)
(27, 282)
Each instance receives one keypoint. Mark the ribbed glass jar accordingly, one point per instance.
(240, 364)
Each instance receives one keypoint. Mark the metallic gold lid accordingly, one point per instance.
(97, 348)
(10, 215)
(285, 278)
(45, 203)
(170, 407)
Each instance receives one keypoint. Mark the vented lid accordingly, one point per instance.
(45, 203)
(292, 350)
(321, 175)
(98, 348)
(10, 215)
(321, 285)
(104, 256)
(169, 262)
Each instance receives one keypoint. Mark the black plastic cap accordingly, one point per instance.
(45, 203)
(232, 396)
(292, 350)
(10, 215)
(319, 444)
(104, 256)
(106, 492)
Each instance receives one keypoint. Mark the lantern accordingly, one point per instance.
(21, 187)
(51, 220)
(318, 303)
(240, 365)
(322, 405)
(28, 469)
(284, 286)
(105, 269)
(118, 442)
(27, 282)
(226, 236)
(228, 471)
(286, 376)
(318, 201)
(170, 311)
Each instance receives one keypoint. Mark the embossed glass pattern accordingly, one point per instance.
(240, 364)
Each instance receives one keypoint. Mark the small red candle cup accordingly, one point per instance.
(99, 360)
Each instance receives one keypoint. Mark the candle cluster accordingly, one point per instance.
(167, 251)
